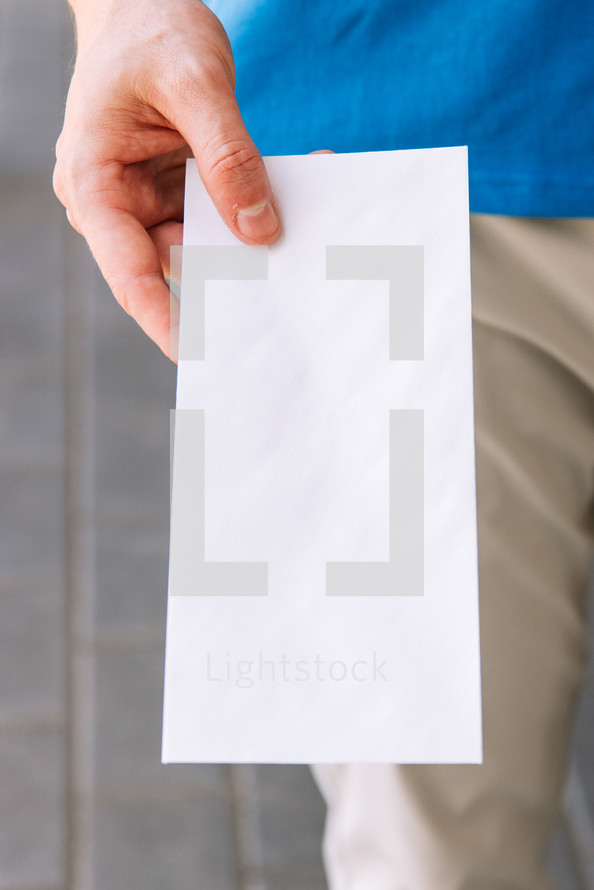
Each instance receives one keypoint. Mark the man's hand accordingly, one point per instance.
(154, 84)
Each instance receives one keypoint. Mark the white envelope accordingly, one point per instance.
(323, 593)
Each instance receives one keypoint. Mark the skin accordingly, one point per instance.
(153, 85)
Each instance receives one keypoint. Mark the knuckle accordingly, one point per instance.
(73, 221)
(67, 172)
(59, 145)
(59, 185)
(121, 298)
(187, 78)
(132, 291)
(194, 74)
(60, 175)
(234, 160)
(119, 289)
(79, 178)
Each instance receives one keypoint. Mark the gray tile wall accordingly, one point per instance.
(84, 476)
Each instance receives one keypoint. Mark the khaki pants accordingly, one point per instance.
(393, 827)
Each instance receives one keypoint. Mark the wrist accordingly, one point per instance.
(91, 15)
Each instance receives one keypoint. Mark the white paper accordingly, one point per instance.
(323, 601)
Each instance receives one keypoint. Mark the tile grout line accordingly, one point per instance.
(249, 859)
(577, 812)
(79, 563)
(579, 823)
(30, 887)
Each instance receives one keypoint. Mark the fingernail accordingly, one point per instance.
(258, 222)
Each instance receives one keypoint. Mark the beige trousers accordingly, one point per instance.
(487, 827)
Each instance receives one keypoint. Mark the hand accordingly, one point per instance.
(154, 84)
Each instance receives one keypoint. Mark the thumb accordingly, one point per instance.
(229, 163)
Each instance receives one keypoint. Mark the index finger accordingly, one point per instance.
(131, 267)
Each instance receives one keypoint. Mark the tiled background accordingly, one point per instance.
(84, 480)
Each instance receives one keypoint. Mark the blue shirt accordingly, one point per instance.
(512, 79)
